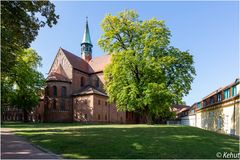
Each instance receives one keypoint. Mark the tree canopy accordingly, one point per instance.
(146, 74)
(20, 23)
(24, 86)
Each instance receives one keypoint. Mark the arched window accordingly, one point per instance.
(64, 91)
(62, 105)
(54, 91)
(82, 81)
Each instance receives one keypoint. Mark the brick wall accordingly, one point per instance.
(62, 59)
(101, 111)
(76, 81)
(83, 108)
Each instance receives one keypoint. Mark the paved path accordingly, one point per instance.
(15, 147)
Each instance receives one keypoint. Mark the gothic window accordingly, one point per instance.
(64, 91)
(99, 116)
(99, 102)
(82, 81)
(62, 105)
(105, 103)
(54, 91)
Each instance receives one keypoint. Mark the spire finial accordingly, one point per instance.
(86, 45)
(86, 35)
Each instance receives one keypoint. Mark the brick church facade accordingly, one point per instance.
(74, 90)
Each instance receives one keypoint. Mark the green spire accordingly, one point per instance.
(86, 35)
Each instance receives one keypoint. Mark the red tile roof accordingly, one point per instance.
(75, 61)
(94, 65)
(54, 76)
(90, 90)
(98, 64)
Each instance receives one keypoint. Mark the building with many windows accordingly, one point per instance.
(218, 111)
(75, 90)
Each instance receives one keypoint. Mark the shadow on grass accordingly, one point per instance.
(136, 141)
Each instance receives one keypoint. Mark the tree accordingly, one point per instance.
(20, 22)
(146, 74)
(26, 82)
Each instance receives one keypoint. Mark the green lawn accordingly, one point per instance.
(74, 140)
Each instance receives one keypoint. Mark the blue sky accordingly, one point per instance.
(209, 30)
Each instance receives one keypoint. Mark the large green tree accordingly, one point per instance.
(20, 23)
(26, 82)
(146, 74)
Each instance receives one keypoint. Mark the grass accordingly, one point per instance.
(74, 140)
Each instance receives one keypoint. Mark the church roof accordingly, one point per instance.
(94, 65)
(98, 64)
(54, 76)
(75, 61)
(90, 90)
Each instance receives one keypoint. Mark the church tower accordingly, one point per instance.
(86, 45)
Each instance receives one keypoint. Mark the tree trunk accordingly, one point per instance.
(148, 115)
(149, 119)
(25, 115)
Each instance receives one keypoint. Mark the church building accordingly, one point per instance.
(75, 92)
